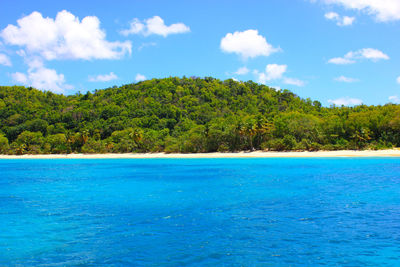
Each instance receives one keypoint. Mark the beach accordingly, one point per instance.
(254, 154)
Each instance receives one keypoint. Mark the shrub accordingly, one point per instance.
(4, 146)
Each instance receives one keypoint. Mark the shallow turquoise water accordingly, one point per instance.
(200, 212)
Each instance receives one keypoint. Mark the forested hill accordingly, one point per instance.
(186, 115)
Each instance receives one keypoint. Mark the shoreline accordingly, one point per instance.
(254, 154)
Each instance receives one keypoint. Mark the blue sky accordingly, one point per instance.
(335, 51)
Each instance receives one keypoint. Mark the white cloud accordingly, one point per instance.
(345, 79)
(242, 71)
(103, 77)
(19, 77)
(340, 61)
(398, 80)
(346, 21)
(5, 60)
(233, 78)
(382, 10)
(368, 53)
(394, 99)
(293, 81)
(154, 25)
(139, 77)
(136, 27)
(43, 79)
(247, 44)
(261, 77)
(365, 53)
(64, 37)
(332, 15)
(275, 72)
(340, 21)
(34, 62)
(346, 101)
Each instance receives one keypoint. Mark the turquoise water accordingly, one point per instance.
(200, 212)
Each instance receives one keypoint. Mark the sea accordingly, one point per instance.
(200, 212)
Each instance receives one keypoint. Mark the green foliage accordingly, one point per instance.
(57, 143)
(3, 144)
(187, 115)
(94, 146)
(31, 142)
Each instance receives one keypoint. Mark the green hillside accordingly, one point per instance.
(186, 115)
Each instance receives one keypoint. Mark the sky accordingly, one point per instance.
(342, 52)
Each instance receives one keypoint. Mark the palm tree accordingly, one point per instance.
(109, 145)
(249, 130)
(20, 149)
(263, 129)
(84, 136)
(238, 134)
(136, 135)
(360, 136)
(70, 140)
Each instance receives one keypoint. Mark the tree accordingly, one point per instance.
(248, 130)
(4, 146)
(187, 115)
(58, 143)
(30, 141)
(360, 137)
(20, 149)
(136, 135)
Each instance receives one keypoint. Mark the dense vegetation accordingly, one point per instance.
(187, 115)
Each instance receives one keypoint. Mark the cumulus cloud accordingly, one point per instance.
(365, 53)
(242, 71)
(394, 99)
(368, 53)
(20, 78)
(34, 62)
(154, 25)
(346, 21)
(345, 79)
(274, 72)
(293, 81)
(247, 44)
(65, 37)
(42, 78)
(398, 80)
(261, 77)
(331, 16)
(340, 20)
(346, 101)
(103, 77)
(341, 61)
(140, 77)
(5, 60)
(382, 10)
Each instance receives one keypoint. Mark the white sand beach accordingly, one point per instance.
(254, 154)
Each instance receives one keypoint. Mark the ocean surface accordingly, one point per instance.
(200, 212)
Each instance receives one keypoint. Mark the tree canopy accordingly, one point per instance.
(186, 115)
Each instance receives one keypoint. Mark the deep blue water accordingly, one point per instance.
(200, 212)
